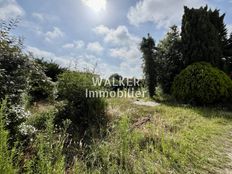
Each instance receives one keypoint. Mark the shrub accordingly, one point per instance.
(13, 70)
(15, 117)
(201, 83)
(38, 120)
(40, 87)
(85, 113)
(18, 73)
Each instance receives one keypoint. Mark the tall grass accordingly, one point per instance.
(46, 151)
(175, 140)
(49, 157)
(6, 154)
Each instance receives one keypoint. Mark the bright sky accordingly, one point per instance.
(106, 33)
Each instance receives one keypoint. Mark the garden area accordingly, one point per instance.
(180, 123)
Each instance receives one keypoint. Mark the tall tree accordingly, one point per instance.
(228, 56)
(170, 58)
(149, 57)
(218, 21)
(203, 36)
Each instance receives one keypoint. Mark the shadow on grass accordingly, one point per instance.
(220, 110)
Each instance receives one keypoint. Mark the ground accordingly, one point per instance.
(175, 138)
(148, 137)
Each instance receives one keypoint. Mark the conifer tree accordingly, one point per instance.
(170, 58)
(150, 65)
(203, 36)
(228, 56)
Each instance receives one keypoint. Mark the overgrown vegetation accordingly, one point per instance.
(49, 125)
(87, 114)
(174, 139)
(13, 65)
(6, 154)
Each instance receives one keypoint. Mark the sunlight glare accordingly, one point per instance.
(96, 5)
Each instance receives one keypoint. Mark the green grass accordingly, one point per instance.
(6, 155)
(175, 139)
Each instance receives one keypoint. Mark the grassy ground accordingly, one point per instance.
(162, 139)
(168, 138)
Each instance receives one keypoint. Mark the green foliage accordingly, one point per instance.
(228, 55)
(114, 82)
(39, 120)
(15, 116)
(51, 69)
(48, 158)
(87, 114)
(115, 156)
(203, 36)
(117, 82)
(6, 154)
(148, 49)
(201, 83)
(18, 73)
(39, 85)
(115, 76)
(170, 59)
(13, 67)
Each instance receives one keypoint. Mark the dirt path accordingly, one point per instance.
(146, 103)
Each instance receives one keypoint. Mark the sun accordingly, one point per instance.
(96, 5)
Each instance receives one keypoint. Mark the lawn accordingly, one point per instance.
(162, 139)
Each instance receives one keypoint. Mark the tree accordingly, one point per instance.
(170, 58)
(203, 36)
(228, 56)
(51, 69)
(149, 57)
(218, 21)
(115, 77)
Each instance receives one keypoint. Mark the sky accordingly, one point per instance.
(98, 35)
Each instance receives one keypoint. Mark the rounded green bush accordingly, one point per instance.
(201, 83)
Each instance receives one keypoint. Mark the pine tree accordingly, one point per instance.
(150, 65)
